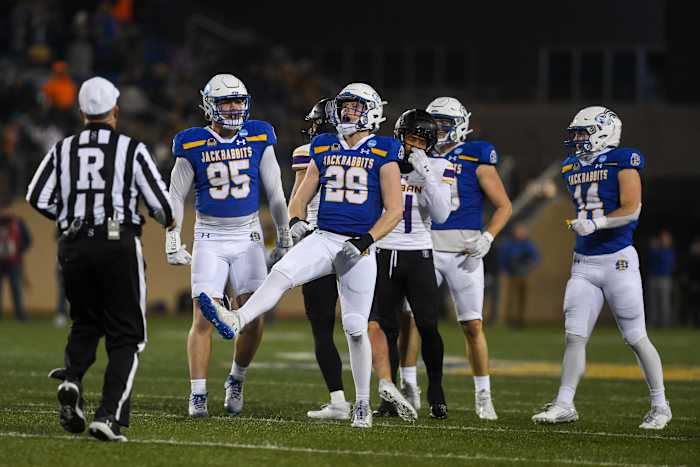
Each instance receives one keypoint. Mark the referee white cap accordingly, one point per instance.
(97, 96)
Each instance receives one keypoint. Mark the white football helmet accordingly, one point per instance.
(371, 115)
(221, 88)
(449, 108)
(603, 126)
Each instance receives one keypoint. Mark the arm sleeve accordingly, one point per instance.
(152, 186)
(181, 179)
(438, 195)
(272, 181)
(41, 193)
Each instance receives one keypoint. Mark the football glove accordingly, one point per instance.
(357, 246)
(175, 252)
(482, 245)
(420, 162)
(583, 227)
(299, 228)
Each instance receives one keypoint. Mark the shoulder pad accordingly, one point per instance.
(386, 147)
(300, 157)
(258, 131)
(189, 139)
(624, 158)
(568, 164)
(487, 153)
(322, 143)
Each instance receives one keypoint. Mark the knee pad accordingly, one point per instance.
(354, 324)
(575, 339)
(634, 334)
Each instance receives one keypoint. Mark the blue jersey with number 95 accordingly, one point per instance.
(226, 171)
(595, 191)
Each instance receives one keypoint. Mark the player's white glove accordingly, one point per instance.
(583, 227)
(357, 246)
(481, 246)
(284, 243)
(298, 229)
(175, 252)
(420, 162)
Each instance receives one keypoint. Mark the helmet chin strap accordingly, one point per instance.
(347, 129)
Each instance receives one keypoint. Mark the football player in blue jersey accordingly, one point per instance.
(321, 295)
(462, 240)
(226, 162)
(604, 183)
(358, 176)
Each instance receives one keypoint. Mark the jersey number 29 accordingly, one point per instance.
(350, 184)
(221, 176)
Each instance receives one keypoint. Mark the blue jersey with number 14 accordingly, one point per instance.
(595, 191)
(226, 171)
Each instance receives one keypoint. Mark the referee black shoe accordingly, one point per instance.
(438, 411)
(106, 429)
(70, 410)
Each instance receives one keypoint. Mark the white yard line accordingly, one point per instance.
(468, 428)
(342, 452)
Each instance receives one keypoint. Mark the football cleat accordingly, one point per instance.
(198, 405)
(386, 409)
(70, 411)
(362, 415)
(556, 412)
(412, 395)
(484, 406)
(390, 393)
(657, 417)
(438, 411)
(226, 322)
(233, 401)
(337, 411)
(106, 429)
(58, 373)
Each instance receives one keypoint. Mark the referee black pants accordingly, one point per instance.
(105, 284)
(320, 297)
(410, 274)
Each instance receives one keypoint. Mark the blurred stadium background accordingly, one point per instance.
(522, 69)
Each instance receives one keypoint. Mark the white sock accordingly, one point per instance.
(338, 397)
(198, 386)
(408, 375)
(361, 364)
(573, 366)
(238, 372)
(650, 362)
(482, 383)
(265, 298)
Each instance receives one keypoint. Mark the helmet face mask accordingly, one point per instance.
(318, 117)
(452, 119)
(356, 108)
(226, 102)
(594, 129)
(415, 129)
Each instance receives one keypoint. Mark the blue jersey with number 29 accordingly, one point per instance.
(226, 171)
(595, 191)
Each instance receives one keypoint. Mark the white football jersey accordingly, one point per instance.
(300, 161)
(413, 231)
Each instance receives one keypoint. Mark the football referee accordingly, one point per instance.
(90, 184)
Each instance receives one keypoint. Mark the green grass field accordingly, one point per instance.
(285, 383)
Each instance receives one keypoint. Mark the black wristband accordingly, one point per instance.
(362, 242)
(294, 220)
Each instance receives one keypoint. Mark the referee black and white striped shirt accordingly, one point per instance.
(99, 174)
